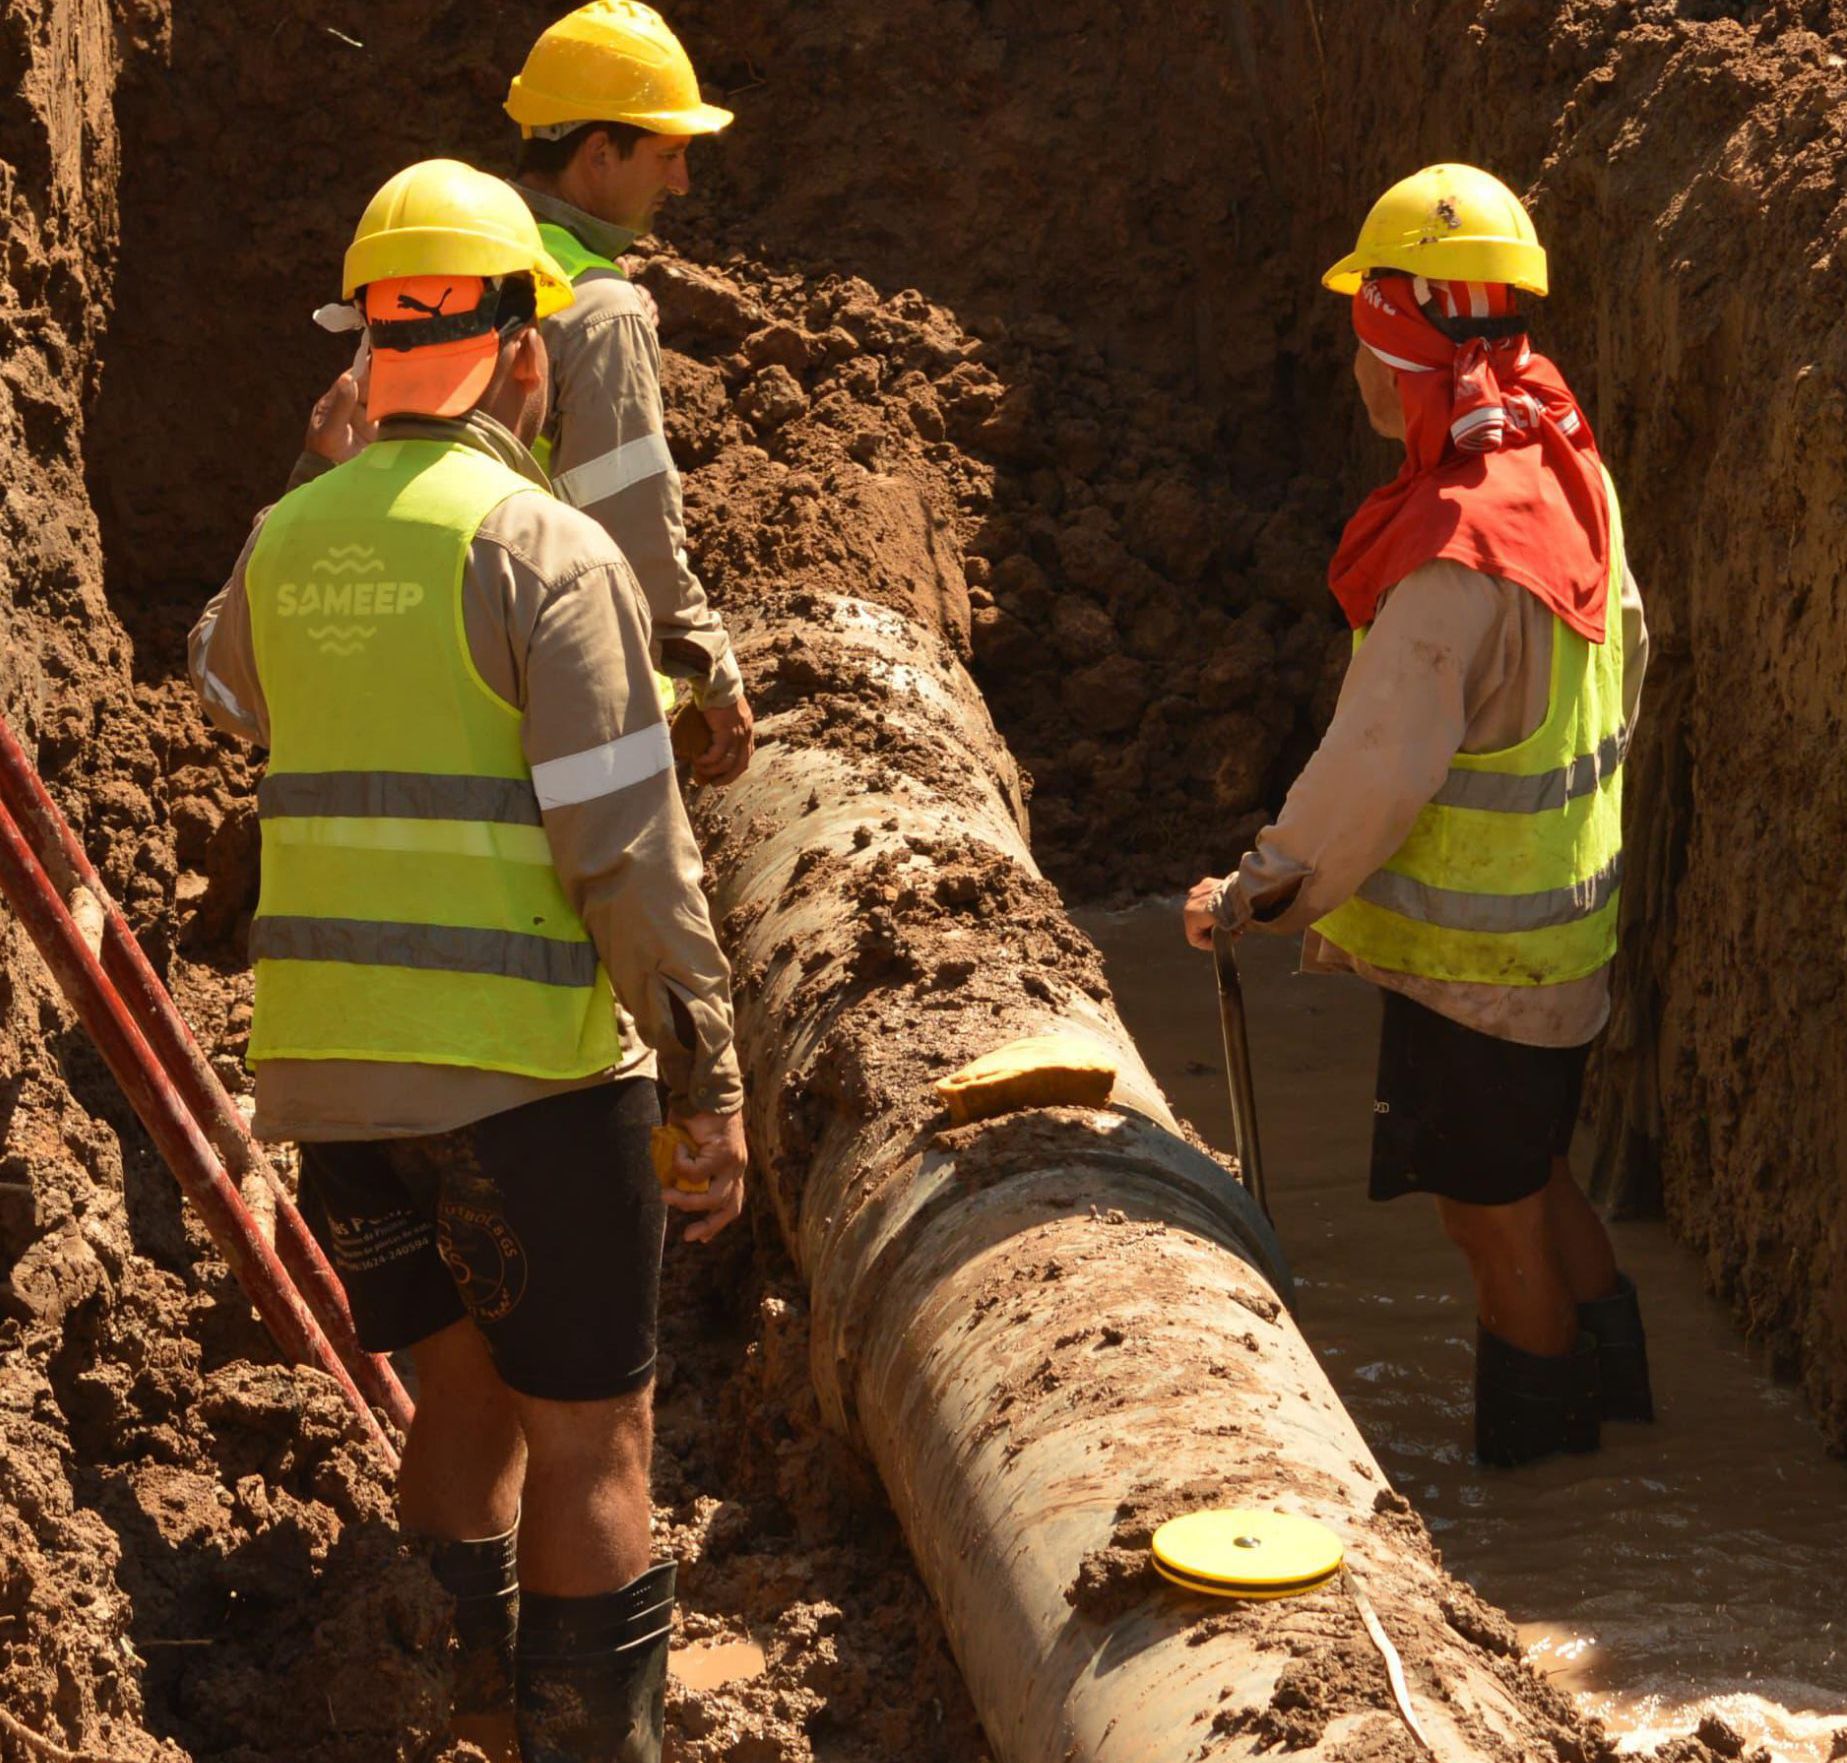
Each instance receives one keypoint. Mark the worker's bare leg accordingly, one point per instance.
(460, 1477)
(1535, 1381)
(595, 1618)
(1521, 1293)
(1579, 1237)
(1608, 1309)
(460, 1484)
(584, 1527)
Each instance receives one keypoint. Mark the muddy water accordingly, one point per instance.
(709, 1665)
(1695, 1567)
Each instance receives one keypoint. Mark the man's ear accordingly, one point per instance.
(530, 365)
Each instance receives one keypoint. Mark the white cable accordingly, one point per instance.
(1394, 1666)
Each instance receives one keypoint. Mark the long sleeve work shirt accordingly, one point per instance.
(610, 456)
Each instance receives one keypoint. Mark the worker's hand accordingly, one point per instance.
(734, 739)
(716, 1167)
(338, 429)
(1201, 920)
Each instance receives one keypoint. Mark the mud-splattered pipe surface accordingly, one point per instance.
(1053, 1329)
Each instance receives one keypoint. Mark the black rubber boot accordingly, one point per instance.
(593, 1673)
(483, 1579)
(1528, 1406)
(1615, 1324)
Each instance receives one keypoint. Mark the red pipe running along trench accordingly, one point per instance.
(161, 1070)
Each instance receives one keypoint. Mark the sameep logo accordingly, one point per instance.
(347, 599)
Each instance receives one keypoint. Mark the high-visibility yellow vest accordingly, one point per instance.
(576, 259)
(409, 906)
(1512, 875)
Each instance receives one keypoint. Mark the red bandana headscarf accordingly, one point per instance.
(1501, 469)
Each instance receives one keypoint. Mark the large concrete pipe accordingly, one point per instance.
(1054, 1328)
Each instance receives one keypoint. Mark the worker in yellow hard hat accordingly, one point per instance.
(608, 106)
(473, 846)
(1457, 837)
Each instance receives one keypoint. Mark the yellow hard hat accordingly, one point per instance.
(611, 61)
(441, 217)
(1452, 223)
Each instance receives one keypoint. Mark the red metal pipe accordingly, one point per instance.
(155, 1099)
(214, 1110)
(153, 1010)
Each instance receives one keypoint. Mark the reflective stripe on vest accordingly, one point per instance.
(1512, 874)
(410, 909)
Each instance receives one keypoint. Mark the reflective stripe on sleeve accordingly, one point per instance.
(398, 795)
(596, 480)
(444, 948)
(217, 692)
(1452, 909)
(602, 771)
(1500, 792)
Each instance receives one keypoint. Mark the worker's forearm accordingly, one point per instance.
(308, 466)
(612, 461)
(1399, 722)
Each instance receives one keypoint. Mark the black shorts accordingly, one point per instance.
(1467, 1116)
(544, 1224)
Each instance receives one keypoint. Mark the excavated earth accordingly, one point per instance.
(1109, 480)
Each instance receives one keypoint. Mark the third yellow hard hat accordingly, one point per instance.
(611, 61)
(1452, 223)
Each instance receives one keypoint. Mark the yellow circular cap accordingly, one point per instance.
(1243, 1553)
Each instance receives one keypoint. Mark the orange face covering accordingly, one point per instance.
(1501, 470)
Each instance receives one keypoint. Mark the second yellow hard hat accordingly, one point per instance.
(1453, 223)
(611, 61)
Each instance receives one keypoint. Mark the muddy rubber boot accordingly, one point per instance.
(483, 1579)
(593, 1673)
(1615, 1324)
(1529, 1406)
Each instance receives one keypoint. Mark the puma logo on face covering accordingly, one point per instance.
(413, 304)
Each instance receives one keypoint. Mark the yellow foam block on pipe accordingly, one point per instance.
(1042, 1071)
